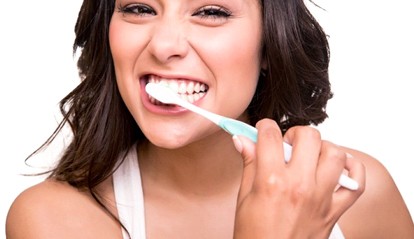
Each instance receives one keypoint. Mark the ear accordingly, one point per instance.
(264, 64)
(263, 68)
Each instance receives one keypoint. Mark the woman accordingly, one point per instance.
(180, 176)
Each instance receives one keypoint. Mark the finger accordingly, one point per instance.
(343, 198)
(270, 155)
(330, 166)
(306, 146)
(247, 149)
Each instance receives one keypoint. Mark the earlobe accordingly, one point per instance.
(263, 72)
(263, 68)
(264, 64)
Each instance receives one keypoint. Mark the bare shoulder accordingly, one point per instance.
(380, 212)
(54, 209)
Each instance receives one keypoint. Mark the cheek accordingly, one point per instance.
(233, 50)
(229, 50)
(123, 44)
(234, 59)
(124, 49)
(119, 44)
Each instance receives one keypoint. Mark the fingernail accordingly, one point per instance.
(348, 155)
(237, 143)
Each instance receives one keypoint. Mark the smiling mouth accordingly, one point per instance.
(190, 91)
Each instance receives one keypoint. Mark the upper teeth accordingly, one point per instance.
(188, 90)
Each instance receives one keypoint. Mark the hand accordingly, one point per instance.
(300, 199)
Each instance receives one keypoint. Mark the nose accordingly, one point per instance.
(168, 41)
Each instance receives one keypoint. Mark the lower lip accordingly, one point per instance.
(159, 109)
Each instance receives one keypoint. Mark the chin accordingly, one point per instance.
(168, 140)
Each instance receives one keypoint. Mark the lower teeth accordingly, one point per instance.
(189, 98)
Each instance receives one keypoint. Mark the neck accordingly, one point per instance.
(202, 169)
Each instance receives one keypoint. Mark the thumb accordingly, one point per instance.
(247, 149)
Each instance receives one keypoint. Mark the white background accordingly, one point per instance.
(371, 68)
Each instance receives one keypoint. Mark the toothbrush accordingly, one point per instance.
(164, 94)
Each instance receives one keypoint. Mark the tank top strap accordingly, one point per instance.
(129, 196)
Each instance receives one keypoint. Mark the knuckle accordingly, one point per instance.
(303, 194)
(302, 191)
(265, 121)
(297, 193)
(309, 132)
(269, 129)
(333, 152)
(271, 186)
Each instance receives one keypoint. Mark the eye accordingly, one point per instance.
(137, 9)
(212, 12)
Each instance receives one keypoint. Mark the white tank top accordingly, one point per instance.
(130, 199)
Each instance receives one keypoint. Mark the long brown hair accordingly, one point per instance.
(293, 90)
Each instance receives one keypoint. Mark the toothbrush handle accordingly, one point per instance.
(235, 127)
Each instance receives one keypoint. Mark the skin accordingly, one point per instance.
(154, 45)
(249, 193)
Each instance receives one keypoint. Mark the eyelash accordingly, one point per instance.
(213, 12)
(136, 9)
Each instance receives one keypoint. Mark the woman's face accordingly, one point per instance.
(208, 50)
